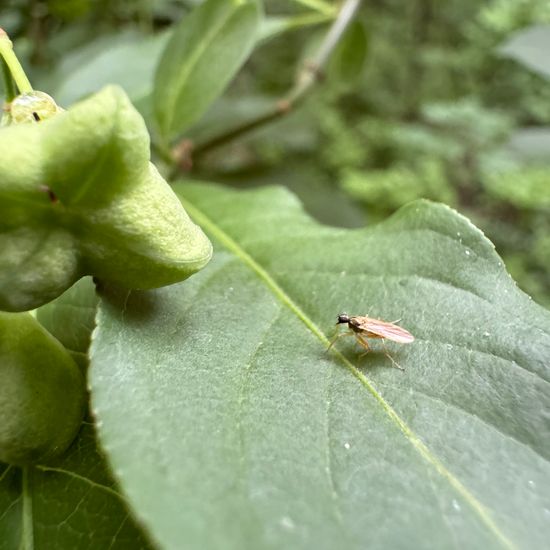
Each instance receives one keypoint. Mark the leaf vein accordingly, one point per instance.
(84, 479)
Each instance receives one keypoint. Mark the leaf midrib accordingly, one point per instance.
(27, 531)
(478, 508)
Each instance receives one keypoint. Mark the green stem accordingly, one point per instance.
(9, 85)
(15, 68)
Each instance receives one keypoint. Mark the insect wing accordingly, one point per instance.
(386, 330)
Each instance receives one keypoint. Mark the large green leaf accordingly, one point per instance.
(202, 56)
(229, 426)
(70, 504)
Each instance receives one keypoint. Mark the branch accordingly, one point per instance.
(308, 76)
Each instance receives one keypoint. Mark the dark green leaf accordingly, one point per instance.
(230, 426)
(70, 504)
(71, 317)
(350, 55)
(200, 59)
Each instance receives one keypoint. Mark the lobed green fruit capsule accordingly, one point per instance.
(42, 392)
(79, 196)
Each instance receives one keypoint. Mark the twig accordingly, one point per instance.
(309, 75)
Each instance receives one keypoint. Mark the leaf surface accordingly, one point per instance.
(230, 426)
(70, 504)
(202, 56)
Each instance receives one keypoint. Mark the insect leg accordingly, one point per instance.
(338, 336)
(363, 344)
(387, 354)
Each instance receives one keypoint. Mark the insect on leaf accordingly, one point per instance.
(253, 437)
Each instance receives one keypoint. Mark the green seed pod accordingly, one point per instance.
(42, 392)
(79, 196)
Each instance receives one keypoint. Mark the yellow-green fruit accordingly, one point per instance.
(33, 107)
(42, 392)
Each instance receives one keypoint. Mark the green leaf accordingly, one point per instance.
(349, 57)
(530, 144)
(530, 47)
(70, 504)
(127, 59)
(231, 426)
(523, 186)
(78, 196)
(200, 59)
(71, 317)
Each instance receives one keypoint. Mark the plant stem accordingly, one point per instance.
(14, 67)
(9, 85)
(309, 75)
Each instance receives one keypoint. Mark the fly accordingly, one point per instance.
(367, 327)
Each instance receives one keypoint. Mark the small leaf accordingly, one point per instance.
(72, 503)
(230, 426)
(200, 59)
(71, 317)
(349, 57)
(78, 196)
(530, 47)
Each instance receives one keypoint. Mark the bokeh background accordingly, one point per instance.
(448, 101)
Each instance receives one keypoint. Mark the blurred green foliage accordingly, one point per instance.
(419, 100)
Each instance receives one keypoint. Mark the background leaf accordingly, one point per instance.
(230, 426)
(530, 47)
(200, 59)
(127, 59)
(73, 503)
(349, 57)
